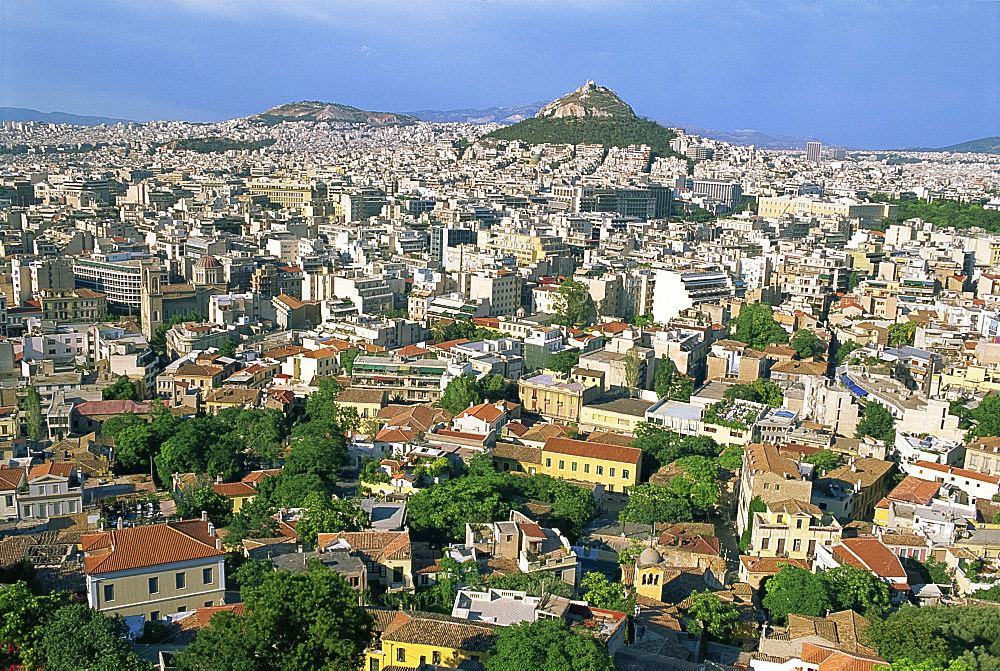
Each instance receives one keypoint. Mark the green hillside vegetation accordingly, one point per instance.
(608, 131)
(943, 212)
(213, 145)
(314, 110)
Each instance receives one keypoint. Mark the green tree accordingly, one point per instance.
(824, 460)
(654, 504)
(251, 574)
(261, 431)
(906, 635)
(23, 620)
(661, 446)
(756, 327)
(708, 614)
(372, 472)
(986, 417)
(902, 333)
(115, 425)
(439, 513)
(33, 414)
(565, 361)
(122, 390)
(79, 637)
(856, 589)
(200, 445)
(547, 645)
(326, 515)
(757, 505)
(758, 391)
(731, 458)
(227, 643)
(663, 376)
(347, 358)
(574, 306)
(134, 445)
(460, 393)
(632, 364)
(194, 499)
(844, 351)
(807, 344)
(253, 521)
(876, 422)
(795, 590)
(227, 348)
(602, 593)
(532, 583)
(929, 665)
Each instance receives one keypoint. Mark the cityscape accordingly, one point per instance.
(466, 381)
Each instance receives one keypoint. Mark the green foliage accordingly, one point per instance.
(33, 415)
(262, 432)
(876, 422)
(824, 460)
(912, 635)
(462, 328)
(460, 393)
(227, 348)
(24, 617)
(632, 368)
(929, 665)
(192, 500)
(661, 446)
(347, 358)
(532, 583)
(615, 131)
(251, 574)
(758, 391)
(944, 212)
(158, 343)
(601, 593)
(709, 615)
(306, 620)
(547, 645)
(653, 504)
(372, 473)
(986, 417)
(807, 344)
(326, 515)
(630, 554)
(902, 333)
(795, 590)
(931, 571)
(670, 384)
(79, 637)
(698, 482)
(756, 327)
(573, 305)
(731, 458)
(844, 351)
(254, 519)
(122, 390)
(113, 426)
(853, 280)
(757, 505)
(440, 596)
(564, 362)
(200, 445)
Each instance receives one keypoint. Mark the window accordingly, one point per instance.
(572, 466)
(562, 465)
(436, 657)
(796, 545)
(154, 585)
(586, 468)
(182, 609)
(373, 664)
(765, 542)
(400, 654)
(208, 604)
(600, 470)
(548, 463)
(179, 580)
(154, 616)
(206, 576)
(109, 592)
(798, 524)
(624, 474)
(611, 472)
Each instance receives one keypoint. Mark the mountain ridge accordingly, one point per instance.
(983, 145)
(25, 114)
(316, 111)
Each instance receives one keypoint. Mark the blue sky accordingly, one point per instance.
(862, 74)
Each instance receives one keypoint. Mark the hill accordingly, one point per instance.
(747, 137)
(592, 115)
(25, 114)
(313, 110)
(984, 145)
(502, 114)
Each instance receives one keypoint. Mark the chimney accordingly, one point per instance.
(218, 543)
(298, 548)
(204, 516)
(121, 524)
(218, 478)
(211, 529)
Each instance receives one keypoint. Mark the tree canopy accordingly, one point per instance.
(668, 383)
(876, 422)
(547, 645)
(122, 390)
(796, 590)
(194, 499)
(758, 391)
(824, 460)
(655, 504)
(327, 515)
(902, 333)
(756, 327)
(709, 615)
(573, 305)
(34, 419)
(986, 417)
(564, 362)
(939, 634)
(807, 344)
(79, 637)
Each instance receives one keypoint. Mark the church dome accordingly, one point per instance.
(649, 556)
(207, 262)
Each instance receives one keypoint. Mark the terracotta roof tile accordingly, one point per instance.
(147, 545)
(579, 448)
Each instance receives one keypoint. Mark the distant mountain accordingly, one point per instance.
(748, 137)
(984, 145)
(505, 114)
(25, 114)
(313, 110)
(591, 114)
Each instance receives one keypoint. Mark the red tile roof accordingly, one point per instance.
(50, 468)
(10, 478)
(958, 472)
(147, 545)
(234, 489)
(870, 554)
(579, 448)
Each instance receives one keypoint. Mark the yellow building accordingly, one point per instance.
(527, 249)
(217, 400)
(805, 206)
(388, 554)
(77, 305)
(791, 529)
(366, 401)
(614, 466)
(556, 397)
(154, 569)
(10, 424)
(287, 193)
(621, 414)
(973, 378)
(409, 640)
(238, 493)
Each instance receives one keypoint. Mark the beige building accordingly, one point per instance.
(78, 305)
(770, 475)
(791, 529)
(806, 206)
(155, 569)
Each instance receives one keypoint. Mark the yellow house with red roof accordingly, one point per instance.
(154, 569)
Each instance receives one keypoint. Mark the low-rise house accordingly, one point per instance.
(792, 529)
(484, 418)
(88, 416)
(367, 402)
(616, 467)
(415, 639)
(388, 555)
(976, 485)
(155, 569)
(555, 397)
(50, 489)
(851, 492)
(506, 607)
(12, 480)
(870, 554)
(217, 400)
(620, 414)
(238, 493)
(521, 540)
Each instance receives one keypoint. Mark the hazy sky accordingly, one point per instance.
(865, 74)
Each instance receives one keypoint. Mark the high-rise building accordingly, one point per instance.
(728, 192)
(813, 150)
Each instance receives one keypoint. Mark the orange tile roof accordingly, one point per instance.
(147, 545)
(870, 554)
(234, 489)
(10, 478)
(487, 412)
(959, 472)
(579, 448)
(50, 468)
(914, 490)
